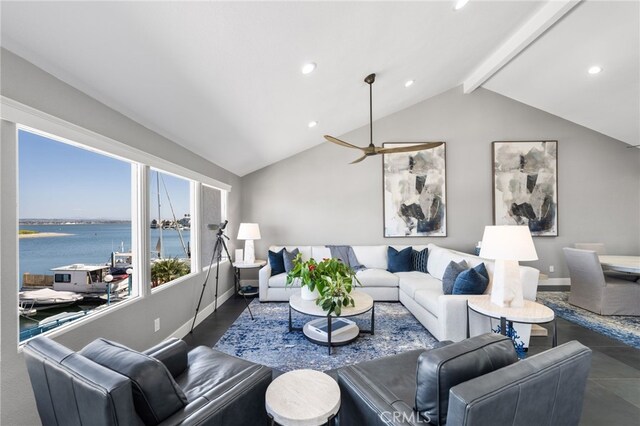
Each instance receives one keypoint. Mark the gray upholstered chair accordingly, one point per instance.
(106, 384)
(594, 291)
(477, 381)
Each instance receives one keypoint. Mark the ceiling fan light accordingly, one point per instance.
(460, 4)
(409, 83)
(308, 68)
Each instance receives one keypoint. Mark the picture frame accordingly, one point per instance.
(525, 185)
(414, 192)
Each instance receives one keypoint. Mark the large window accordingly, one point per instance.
(75, 236)
(170, 233)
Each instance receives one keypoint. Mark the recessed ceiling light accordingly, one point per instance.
(595, 70)
(308, 68)
(460, 4)
(312, 124)
(409, 83)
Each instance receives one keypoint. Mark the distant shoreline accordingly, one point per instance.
(44, 235)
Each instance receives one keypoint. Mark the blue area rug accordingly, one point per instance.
(621, 327)
(267, 340)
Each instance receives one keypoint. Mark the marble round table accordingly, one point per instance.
(303, 398)
(363, 304)
(530, 313)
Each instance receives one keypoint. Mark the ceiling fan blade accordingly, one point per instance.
(359, 159)
(419, 147)
(340, 142)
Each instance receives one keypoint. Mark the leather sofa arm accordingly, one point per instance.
(263, 280)
(172, 353)
(365, 402)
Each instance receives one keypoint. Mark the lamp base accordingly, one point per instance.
(506, 290)
(249, 253)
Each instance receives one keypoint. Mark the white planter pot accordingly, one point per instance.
(306, 294)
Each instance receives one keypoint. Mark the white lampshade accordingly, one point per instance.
(508, 243)
(249, 231)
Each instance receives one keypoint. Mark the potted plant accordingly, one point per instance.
(331, 280)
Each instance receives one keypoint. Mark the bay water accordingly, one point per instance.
(90, 244)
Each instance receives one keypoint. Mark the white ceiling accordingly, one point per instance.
(223, 78)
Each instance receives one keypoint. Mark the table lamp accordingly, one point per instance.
(507, 245)
(249, 232)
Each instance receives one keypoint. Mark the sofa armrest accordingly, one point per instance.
(365, 402)
(529, 278)
(547, 388)
(453, 316)
(172, 353)
(263, 280)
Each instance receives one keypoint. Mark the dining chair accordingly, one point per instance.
(592, 290)
(600, 249)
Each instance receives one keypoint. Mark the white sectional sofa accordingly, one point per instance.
(445, 316)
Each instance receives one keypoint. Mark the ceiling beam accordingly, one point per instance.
(544, 18)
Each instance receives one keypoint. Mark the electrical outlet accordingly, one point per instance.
(156, 324)
(552, 268)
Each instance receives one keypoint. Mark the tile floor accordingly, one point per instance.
(613, 390)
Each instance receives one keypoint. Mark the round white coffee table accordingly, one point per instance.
(363, 303)
(302, 398)
(530, 313)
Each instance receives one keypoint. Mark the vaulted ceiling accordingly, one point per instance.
(223, 78)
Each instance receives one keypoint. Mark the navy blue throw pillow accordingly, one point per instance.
(472, 281)
(276, 260)
(450, 274)
(399, 261)
(419, 260)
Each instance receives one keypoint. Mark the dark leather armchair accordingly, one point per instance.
(478, 381)
(107, 384)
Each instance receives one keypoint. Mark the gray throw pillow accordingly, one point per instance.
(450, 274)
(288, 257)
(156, 395)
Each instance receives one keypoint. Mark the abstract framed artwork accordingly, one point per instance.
(415, 192)
(525, 185)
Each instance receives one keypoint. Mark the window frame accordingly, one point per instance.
(23, 117)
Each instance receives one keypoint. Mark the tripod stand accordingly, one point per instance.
(217, 255)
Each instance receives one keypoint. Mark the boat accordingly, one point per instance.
(45, 298)
(91, 281)
(50, 323)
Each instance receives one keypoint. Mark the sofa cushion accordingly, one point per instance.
(410, 282)
(450, 274)
(280, 281)
(419, 260)
(372, 256)
(439, 259)
(399, 261)
(276, 260)
(472, 281)
(287, 258)
(156, 395)
(377, 278)
(442, 368)
(429, 299)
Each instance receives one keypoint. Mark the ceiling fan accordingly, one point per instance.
(372, 149)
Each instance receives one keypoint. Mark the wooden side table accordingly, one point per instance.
(303, 398)
(530, 313)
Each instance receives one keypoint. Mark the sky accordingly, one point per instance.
(60, 181)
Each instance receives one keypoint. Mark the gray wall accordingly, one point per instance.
(315, 197)
(131, 325)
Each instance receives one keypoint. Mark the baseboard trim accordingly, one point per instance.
(204, 313)
(554, 282)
